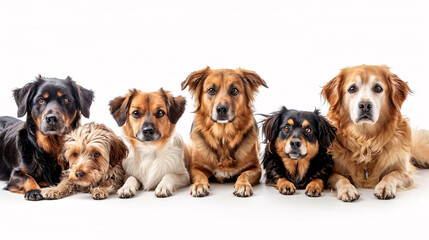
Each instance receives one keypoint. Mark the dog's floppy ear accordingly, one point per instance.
(22, 95)
(270, 127)
(326, 133)
(194, 82)
(62, 161)
(331, 91)
(400, 90)
(84, 97)
(175, 105)
(119, 107)
(252, 79)
(195, 79)
(118, 150)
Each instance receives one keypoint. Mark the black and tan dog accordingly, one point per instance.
(296, 151)
(29, 150)
(224, 133)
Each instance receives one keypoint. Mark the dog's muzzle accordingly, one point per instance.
(365, 111)
(53, 123)
(222, 114)
(295, 150)
(148, 133)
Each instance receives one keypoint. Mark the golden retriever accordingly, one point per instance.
(224, 134)
(374, 143)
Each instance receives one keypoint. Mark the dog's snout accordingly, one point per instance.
(365, 106)
(80, 174)
(52, 119)
(295, 144)
(148, 131)
(222, 110)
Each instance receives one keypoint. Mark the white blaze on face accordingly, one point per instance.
(365, 92)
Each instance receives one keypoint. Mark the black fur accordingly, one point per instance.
(21, 158)
(322, 132)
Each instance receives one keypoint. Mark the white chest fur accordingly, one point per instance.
(150, 164)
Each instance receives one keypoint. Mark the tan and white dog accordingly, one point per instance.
(156, 158)
(374, 145)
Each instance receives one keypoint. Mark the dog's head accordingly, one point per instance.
(53, 104)
(148, 117)
(223, 94)
(297, 134)
(90, 151)
(365, 94)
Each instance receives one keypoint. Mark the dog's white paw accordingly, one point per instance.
(200, 189)
(164, 190)
(243, 189)
(126, 192)
(385, 190)
(347, 193)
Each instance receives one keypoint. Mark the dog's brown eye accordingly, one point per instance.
(308, 130)
(211, 91)
(234, 91)
(96, 154)
(160, 114)
(378, 89)
(74, 154)
(287, 128)
(66, 100)
(352, 89)
(40, 101)
(136, 114)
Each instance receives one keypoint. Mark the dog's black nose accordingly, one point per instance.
(365, 106)
(222, 110)
(80, 174)
(295, 144)
(148, 131)
(51, 119)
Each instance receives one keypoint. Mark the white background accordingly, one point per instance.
(296, 46)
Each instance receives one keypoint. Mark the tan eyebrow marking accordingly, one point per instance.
(45, 95)
(305, 123)
(290, 121)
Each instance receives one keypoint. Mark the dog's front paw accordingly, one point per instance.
(99, 194)
(313, 190)
(126, 192)
(347, 193)
(33, 195)
(200, 189)
(51, 193)
(285, 187)
(385, 190)
(243, 189)
(164, 190)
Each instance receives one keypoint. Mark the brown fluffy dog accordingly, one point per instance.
(94, 154)
(224, 134)
(374, 142)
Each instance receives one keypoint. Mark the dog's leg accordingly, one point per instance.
(63, 189)
(285, 186)
(21, 182)
(200, 182)
(129, 188)
(170, 182)
(345, 190)
(386, 188)
(243, 185)
(314, 188)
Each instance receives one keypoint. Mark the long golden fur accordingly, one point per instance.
(94, 154)
(371, 154)
(226, 147)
